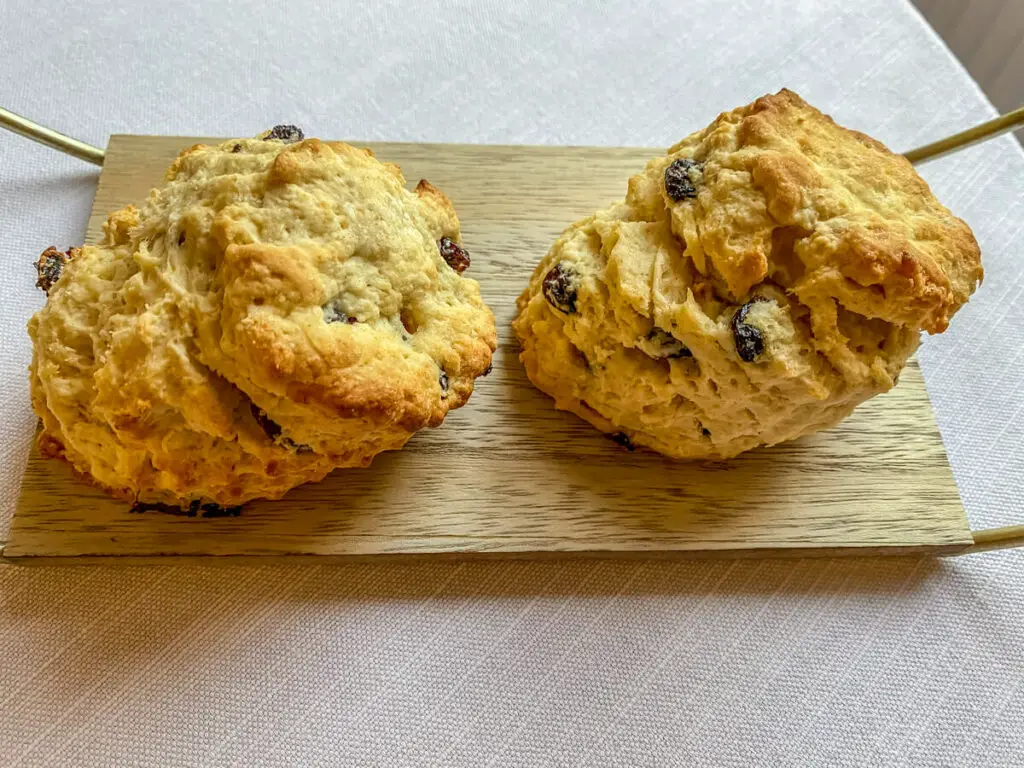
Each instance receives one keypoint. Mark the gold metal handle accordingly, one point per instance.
(1000, 125)
(992, 128)
(1011, 535)
(30, 130)
(995, 538)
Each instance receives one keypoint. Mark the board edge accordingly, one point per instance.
(732, 553)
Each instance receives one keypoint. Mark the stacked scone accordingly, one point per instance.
(759, 281)
(279, 308)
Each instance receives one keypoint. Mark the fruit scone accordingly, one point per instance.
(281, 307)
(760, 280)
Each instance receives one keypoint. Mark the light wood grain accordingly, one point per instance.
(508, 473)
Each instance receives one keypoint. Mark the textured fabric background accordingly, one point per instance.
(824, 663)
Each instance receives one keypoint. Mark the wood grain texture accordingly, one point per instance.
(508, 473)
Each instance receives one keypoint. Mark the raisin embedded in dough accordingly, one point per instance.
(748, 338)
(454, 254)
(286, 133)
(559, 288)
(49, 268)
(681, 179)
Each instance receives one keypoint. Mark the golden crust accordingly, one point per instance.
(273, 312)
(783, 281)
(870, 233)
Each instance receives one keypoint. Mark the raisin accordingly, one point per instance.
(236, 148)
(669, 346)
(442, 379)
(49, 268)
(286, 133)
(270, 427)
(334, 314)
(291, 445)
(273, 430)
(679, 178)
(560, 288)
(749, 340)
(216, 510)
(454, 254)
(622, 439)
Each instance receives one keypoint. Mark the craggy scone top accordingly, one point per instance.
(279, 308)
(787, 196)
(760, 280)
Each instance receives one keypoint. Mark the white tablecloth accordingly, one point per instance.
(825, 663)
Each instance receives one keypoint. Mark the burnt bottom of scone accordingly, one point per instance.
(195, 509)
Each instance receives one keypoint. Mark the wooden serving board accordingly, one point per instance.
(508, 473)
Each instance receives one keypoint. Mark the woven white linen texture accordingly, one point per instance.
(877, 662)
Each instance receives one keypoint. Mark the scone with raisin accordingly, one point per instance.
(759, 281)
(279, 308)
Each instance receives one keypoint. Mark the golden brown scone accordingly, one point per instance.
(279, 308)
(760, 280)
